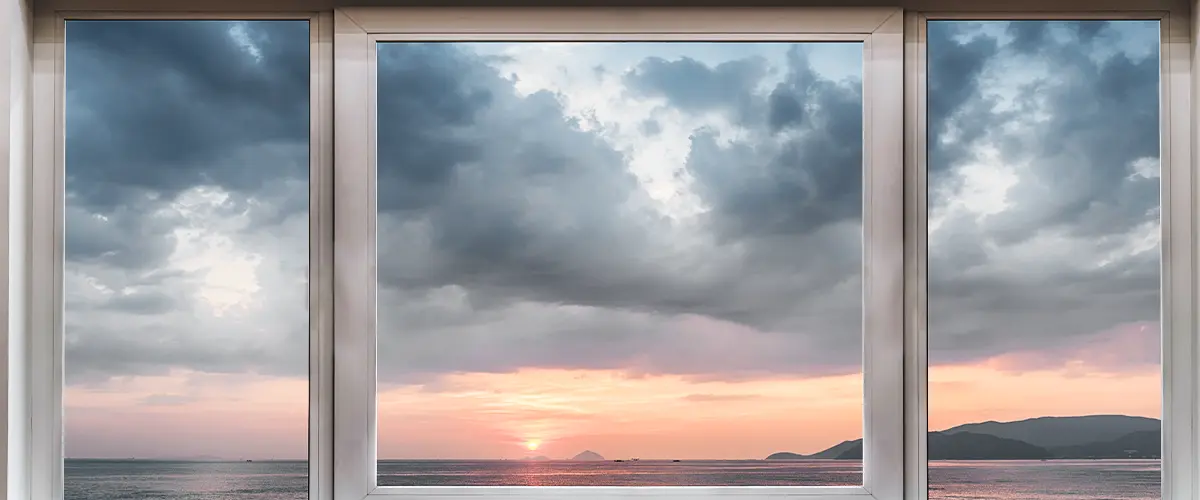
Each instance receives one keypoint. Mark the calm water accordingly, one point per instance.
(1010, 480)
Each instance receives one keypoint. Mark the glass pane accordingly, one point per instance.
(186, 259)
(1044, 338)
(621, 264)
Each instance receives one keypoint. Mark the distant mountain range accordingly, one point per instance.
(1093, 436)
(1055, 432)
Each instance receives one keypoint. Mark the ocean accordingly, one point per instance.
(271, 480)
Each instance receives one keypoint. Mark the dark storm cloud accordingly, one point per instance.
(514, 235)
(125, 236)
(158, 107)
(953, 97)
(143, 303)
(1081, 119)
(519, 205)
(803, 162)
(692, 85)
(1102, 117)
(154, 109)
(803, 167)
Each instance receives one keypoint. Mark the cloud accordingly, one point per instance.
(695, 86)
(719, 398)
(516, 230)
(186, 195)
(534, 244)
(166, 400)
(200, 97)
(1068, 130)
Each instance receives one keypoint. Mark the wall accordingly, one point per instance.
(16, 50)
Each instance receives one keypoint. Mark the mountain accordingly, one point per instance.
(827, 454)
(838, 449)
(965, 446)
(588, 455)
(1092, 436)
(972, 446)
(1141, 444)
(1058, 432)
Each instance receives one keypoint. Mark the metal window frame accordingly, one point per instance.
(1178, 191)
(34, 360)
(358, 30)
(47, 249)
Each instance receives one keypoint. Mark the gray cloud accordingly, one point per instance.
(694, 86)
(200, 95)
(1056, 266)
(953, 97)
(155, 110)
(205, 110)
(513, 234)
(555, 256)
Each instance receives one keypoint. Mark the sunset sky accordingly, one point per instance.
(641, 249)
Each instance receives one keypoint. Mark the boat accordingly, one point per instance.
(618, 460)
(675, 461)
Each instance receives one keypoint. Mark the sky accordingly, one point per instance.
(642, 249)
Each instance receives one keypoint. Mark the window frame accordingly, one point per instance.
(358, 30)
(1178, 225)
(34, 333)
(47, 249)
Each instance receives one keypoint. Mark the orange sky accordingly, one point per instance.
(567, 411)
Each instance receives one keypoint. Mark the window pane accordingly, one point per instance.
(620, 264)
(1044, 337)
(186, 259)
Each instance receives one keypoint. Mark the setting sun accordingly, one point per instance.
(532, 445)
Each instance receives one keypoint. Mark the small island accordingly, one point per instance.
(588, 456)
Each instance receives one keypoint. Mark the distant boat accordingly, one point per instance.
(674, 460)
(249, 460)
(634, 459)
(618, 460)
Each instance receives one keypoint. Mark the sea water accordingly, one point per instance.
(279, 480)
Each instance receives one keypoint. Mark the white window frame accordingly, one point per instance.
(47, 252)
(342, 445)
(358, 30)
(1178, 191)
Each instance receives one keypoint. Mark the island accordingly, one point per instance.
(588, 456)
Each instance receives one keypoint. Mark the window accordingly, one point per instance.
(574, 233)
(574, 236)
(602, 252)
(1048, 159)
(186, 222)
(1044, 257)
